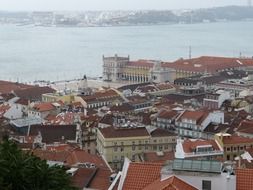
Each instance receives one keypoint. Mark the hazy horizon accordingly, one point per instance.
(96, 5)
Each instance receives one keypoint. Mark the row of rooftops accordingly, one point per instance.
(209, 64)
(115, 132)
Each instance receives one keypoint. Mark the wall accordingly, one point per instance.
(218, 182)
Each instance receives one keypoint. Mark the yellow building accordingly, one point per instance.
(114, 144)
(233, 145)
(54, 97)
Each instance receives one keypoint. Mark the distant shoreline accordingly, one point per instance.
(129, 25)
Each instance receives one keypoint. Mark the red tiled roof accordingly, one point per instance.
(80, 156)
(101, 95)
(59, 156)
(122, 108)
(8, 87)
(164, 86)
(165, 114)
(61, 147)
(190, 145)
(101, 180)
(112, 132)
(3, 109)
(140, 175)
(63, 118)
(82, 177)
(246, 126)
(146, 89)
(137, 99)
(22, 101)
(197, 116)
(42, 107)
(208, 63)
(141, 63)
(158, 132)
(34, 93)
(244, 179)
(234, 139)
(153, 157)
(172, 183)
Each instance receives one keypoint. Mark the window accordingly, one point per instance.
(206, 185)
(133, 147)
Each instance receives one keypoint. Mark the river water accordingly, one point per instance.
(29, 53)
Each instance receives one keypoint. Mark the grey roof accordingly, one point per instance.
(207, 166)
(24, 122)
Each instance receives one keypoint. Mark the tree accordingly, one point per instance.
(24, 171)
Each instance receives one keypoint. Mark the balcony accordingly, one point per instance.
(208, 153)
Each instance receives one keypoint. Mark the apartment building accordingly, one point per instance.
(114, 144)
(191, 124)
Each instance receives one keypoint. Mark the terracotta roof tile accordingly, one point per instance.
(197, 116)
(83, 177)
(155, 158)
(158, 132)
(101, 95)
(244, 179)
(34, 93)
(3, 109)
(112, 132)
(234, 139)
(208, 63)
(101, 180)
(49, 155)
(8, 87)
(22, 101)
(164, 86)
(67, 118)
(171, 183)
(139, 175)
(125, 107)
(81, 156)
(246, 126)
(166, 114)
(141, 63)
(191, 145)
(45, 106)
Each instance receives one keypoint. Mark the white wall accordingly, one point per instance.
(16, 111)
(224, 95)
(218, 182)
(215, 117)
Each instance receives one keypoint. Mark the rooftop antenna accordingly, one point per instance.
(190, 52)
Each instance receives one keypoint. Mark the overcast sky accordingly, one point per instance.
(112, 4)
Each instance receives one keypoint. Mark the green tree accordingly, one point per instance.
(24, 171)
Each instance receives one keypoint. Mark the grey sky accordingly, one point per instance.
(112, 4)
